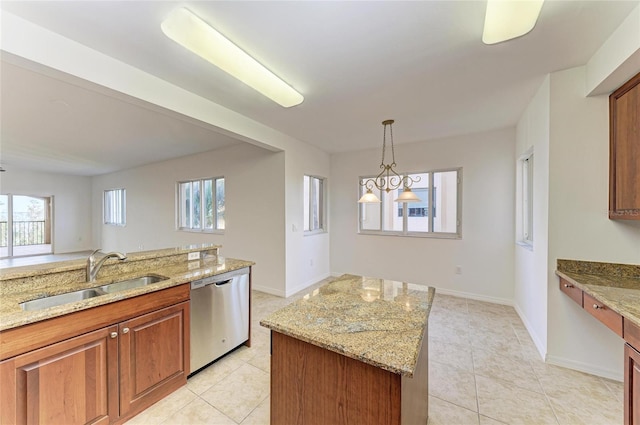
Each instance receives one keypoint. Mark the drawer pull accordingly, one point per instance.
(598, 307)
(125, 331)
(113, 335)
(568, 285)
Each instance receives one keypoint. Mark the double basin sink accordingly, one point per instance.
(83, 294)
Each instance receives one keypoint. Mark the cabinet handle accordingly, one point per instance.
(568, 285)
(596, 306)
(125, 331)
(113, 334)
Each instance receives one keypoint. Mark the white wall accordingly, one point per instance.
(307, 256)
(254, 208)
(530, 283)
(71, 204)
(579, 227)
(486, 250)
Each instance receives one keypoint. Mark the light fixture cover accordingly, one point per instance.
(369, 198)
(407, 196)
(194, 34)
(507, 19)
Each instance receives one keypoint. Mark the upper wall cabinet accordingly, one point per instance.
(624, 151)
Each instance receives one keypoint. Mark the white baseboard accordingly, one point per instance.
(542, 348)
(306, 284)
(586, 368)
(472, 296)
(268, 290)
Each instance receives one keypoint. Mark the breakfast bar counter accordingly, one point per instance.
(352, 351)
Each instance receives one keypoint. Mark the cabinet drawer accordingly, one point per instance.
(632, 334)
(610, 318)
(572, 291)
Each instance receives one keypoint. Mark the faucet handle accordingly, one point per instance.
(96, 251)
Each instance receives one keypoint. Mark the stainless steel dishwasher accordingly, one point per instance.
(219, 316)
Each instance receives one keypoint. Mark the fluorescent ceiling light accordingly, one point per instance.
(194, 34)
(507, 19)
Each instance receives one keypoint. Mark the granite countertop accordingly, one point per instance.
(615, 285)
(34, 285)
(376, 321)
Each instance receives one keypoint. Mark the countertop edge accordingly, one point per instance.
(589, 289)
(21, 318)
(406, 372)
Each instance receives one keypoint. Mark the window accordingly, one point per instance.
(437, 215)
(313, 204)
(25, 225)
(526, 162)
(115, 207)
(201, 205)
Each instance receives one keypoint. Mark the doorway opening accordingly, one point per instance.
(25, 225)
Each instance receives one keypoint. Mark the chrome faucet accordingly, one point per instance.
(93, 267)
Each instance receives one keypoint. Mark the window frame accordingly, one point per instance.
(526, 165)
(405, 208)
(202, 214)
(308, 205)
(121, 215)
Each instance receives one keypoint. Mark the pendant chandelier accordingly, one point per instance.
(389, 179)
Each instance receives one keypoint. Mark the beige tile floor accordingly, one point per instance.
(484, 370)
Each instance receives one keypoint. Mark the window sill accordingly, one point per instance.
(209, 232)
(526, 245)
(315, 232)
(430, 235)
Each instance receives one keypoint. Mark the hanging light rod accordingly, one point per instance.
(194, 34)
(389, 179)
(507, 19)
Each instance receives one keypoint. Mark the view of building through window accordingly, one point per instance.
(437, 211)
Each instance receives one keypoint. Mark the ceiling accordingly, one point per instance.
(357, 63)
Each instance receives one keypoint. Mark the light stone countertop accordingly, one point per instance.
(67, 277)
(376, 321)
(615, 285)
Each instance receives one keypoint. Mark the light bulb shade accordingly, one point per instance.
(194, 34)
(407, 196)
(369, 198)
(507, 19)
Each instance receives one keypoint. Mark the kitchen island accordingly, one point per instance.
(352, 351)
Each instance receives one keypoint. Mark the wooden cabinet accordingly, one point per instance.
(41, 386)
(624, 151)
(604, 314)
(102, 376)
(570, 289)
(631, 386)
(152, 356)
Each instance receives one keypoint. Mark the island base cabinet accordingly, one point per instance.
(311, 385)
(70, 382)
(632, 386)
(152, 357)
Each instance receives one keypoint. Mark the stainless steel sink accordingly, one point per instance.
(54, 300)
(70, 297)
(132, 283)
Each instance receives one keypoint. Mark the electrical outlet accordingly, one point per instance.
(458, 269)
(193, 256)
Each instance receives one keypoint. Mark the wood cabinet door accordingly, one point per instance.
(153, 357)
(631, 386)
(71, 382)
(624, 151)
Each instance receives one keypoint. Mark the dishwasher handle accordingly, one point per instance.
(224, 282)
